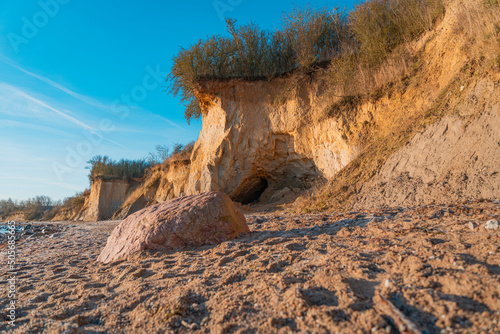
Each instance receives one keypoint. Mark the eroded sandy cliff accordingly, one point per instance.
(164, 182)
(260, 137)
(248, 145)
(106, 197)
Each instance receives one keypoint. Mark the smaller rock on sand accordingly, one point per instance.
(208, 218)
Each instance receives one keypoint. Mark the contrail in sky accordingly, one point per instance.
(60, 113)
(86, 99)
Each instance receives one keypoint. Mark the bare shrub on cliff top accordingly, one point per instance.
(251, 53)
(161, 153)
(356, 44)
(165, 155)
(250, 44)
(315, 35)
(180, 153)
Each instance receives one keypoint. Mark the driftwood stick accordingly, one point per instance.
(404, 325)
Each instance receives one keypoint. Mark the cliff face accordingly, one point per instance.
(106, 197)
(453, 160)
(248, 145)
(437, 140)
(162, 184)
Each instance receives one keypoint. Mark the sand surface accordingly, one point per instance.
(312, 273)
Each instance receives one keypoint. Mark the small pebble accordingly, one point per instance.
(472, 226)
(492, 224)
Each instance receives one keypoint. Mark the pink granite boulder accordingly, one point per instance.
(208, 218)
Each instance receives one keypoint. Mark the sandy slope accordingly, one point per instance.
(315, 273)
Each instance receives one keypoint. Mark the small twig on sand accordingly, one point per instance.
(404, 325)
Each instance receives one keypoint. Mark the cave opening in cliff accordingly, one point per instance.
(251, 190)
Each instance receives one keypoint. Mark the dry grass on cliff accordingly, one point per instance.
(180, 153)
(487, 27)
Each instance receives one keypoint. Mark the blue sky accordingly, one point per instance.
(81, 78)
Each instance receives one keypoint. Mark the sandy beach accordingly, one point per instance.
(312, 273)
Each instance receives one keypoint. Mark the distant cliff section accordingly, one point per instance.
(418, 125)
(106, 197)
(164, 182)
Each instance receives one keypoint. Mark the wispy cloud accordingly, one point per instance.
(63, 114)
(40, 181)
(46, 106)
(170, 122)
(30, 126)
(86, 99)
(19, 155)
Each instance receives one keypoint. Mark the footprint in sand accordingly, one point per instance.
(231, 258)
(40, 298)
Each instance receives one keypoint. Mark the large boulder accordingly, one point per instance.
(207, 218)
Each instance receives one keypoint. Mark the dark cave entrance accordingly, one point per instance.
(251, 190)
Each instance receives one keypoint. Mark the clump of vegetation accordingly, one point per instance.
(41, 207)
(306, 38)
(161, 153)
(75, 202)
(105, 167)
(315, 36)
(180, 153)
(8, 206)
(376, 54)
(379, 26)
(165, 155)
(352, 42)
(32, 208)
